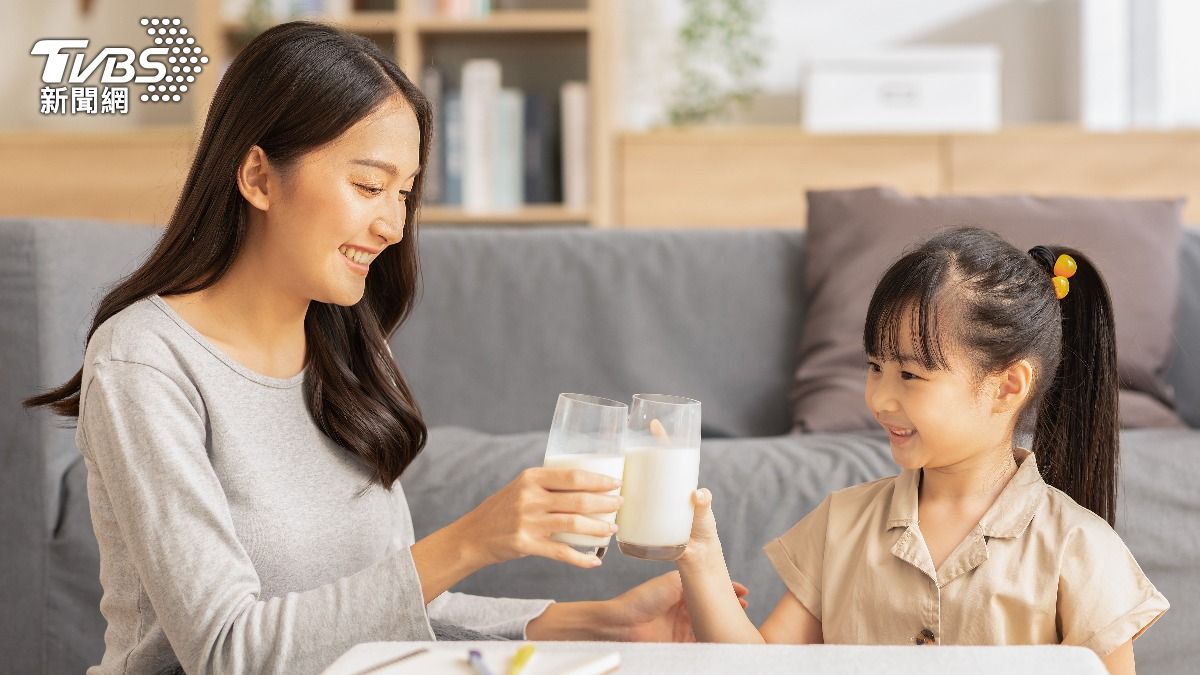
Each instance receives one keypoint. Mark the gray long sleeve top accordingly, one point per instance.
(235, 536)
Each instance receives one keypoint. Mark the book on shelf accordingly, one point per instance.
(455, 9)
(338, 8)
(285, 10)
(508, 175)
(541, 170)
(451, 148)
(480, 97)
(498, 149)
(576, 148)
(431, 85)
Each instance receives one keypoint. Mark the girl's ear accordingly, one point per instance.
(252, 178)
(1015, 383)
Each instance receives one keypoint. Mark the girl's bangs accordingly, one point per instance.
(903, 322)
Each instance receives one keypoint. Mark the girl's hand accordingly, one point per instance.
(704, 545)
(518, 520)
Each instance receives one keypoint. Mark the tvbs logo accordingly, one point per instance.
(167, 68)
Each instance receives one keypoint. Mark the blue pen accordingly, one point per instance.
(475, 659)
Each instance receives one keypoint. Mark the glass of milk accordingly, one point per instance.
(587, 434)
(662, 467)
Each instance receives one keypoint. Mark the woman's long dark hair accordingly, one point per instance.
(968, 288)
(292, 89)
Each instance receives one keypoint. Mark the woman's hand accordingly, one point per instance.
(518, 520)
(653, 611)
(656, 612)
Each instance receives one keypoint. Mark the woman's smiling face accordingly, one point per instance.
(335, 209)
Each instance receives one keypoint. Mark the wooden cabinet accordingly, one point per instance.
(757, 177)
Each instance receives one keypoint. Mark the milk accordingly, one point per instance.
(609, 465)
(656, 515)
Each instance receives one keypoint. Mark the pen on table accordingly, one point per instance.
(520, 660)
(475, 659)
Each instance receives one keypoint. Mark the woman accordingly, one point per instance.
(242, 420)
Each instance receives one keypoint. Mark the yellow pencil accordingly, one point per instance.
(520, 659)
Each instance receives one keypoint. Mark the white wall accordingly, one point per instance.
(1036, 39)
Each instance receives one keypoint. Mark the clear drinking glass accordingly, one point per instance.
(587, 434)
(662, 468)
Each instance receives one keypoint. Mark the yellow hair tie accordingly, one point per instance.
(1064, 268)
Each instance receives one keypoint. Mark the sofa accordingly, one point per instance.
(506, 321)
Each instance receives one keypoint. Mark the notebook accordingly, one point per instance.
(379, 658)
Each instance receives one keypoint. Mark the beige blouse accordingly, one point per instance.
(1037, 569)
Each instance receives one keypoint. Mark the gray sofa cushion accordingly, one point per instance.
(74, 625)
(51, 277)
(508, 320)
(1183, 373)
(854, 235)
(760, 486)
(1158, 516)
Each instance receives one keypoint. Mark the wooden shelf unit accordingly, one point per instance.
(410, 35)
(367, 22)
(512, 21)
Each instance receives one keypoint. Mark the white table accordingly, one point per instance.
(655, 659)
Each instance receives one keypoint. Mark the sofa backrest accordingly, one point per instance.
(509, 319)
(1183, 373)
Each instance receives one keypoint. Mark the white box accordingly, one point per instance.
(920, 90)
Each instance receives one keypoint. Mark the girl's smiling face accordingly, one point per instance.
(940, 416)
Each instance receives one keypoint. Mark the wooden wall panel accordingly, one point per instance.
(757, 178)
(711, 178)
(1069, 162)
(132, 177)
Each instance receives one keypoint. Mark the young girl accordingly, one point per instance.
(969, 341)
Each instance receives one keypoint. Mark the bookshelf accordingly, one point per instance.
(539, 43)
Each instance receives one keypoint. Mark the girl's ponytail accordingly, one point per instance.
(1075, 438)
